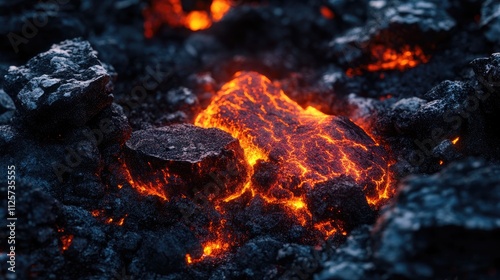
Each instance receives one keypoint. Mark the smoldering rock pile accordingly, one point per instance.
(67, 112)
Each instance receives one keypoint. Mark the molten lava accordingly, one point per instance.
(384, 58)
(170, 12)
(307, 146)
(390, 59)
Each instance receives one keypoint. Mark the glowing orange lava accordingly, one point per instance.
(170, 12)
(385, 58)
(308, 146)
(390, 59)
(151, 188)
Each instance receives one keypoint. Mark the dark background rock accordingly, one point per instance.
(443, 225)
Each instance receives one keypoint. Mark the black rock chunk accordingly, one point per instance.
(194, 161)
(63, 87)
(111, 126)
(487, 71)
(443, 226)
(341, 200)
(254, 260)
(435, 117)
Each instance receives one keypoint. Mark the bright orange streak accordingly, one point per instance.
(151, 188)
(455, 141)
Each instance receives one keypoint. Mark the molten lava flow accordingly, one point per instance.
(170, 12)
(308, 146)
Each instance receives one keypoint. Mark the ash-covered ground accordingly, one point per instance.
(91, 110)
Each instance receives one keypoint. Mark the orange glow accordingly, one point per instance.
(455, 141)
(170, 12)
(152, 188)
(384, 58)
(309, 146)
(66, 241)
(219, 9)
(198, 20)
(189, 260)
(327, 13)
(390, 59)
(216, 247)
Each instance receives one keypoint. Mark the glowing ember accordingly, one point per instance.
(389, 59)
(66, 241)
(151, 188)
(455, 141)
(308, 146)
(327, 13)
(170, 12)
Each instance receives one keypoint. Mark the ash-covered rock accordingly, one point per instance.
(61, 88)
(490, 20)
(393, 24)
(444, 225)
(187, 156)
(487, 72)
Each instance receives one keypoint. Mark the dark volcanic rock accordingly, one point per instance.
(341, 200)
(195, 161)
(164, 252)
(63, 87)
(487, 72)
(490, 20)
(351, 261)
(111, 126)
(443, 226)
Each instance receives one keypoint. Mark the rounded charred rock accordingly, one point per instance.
(196, 162)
